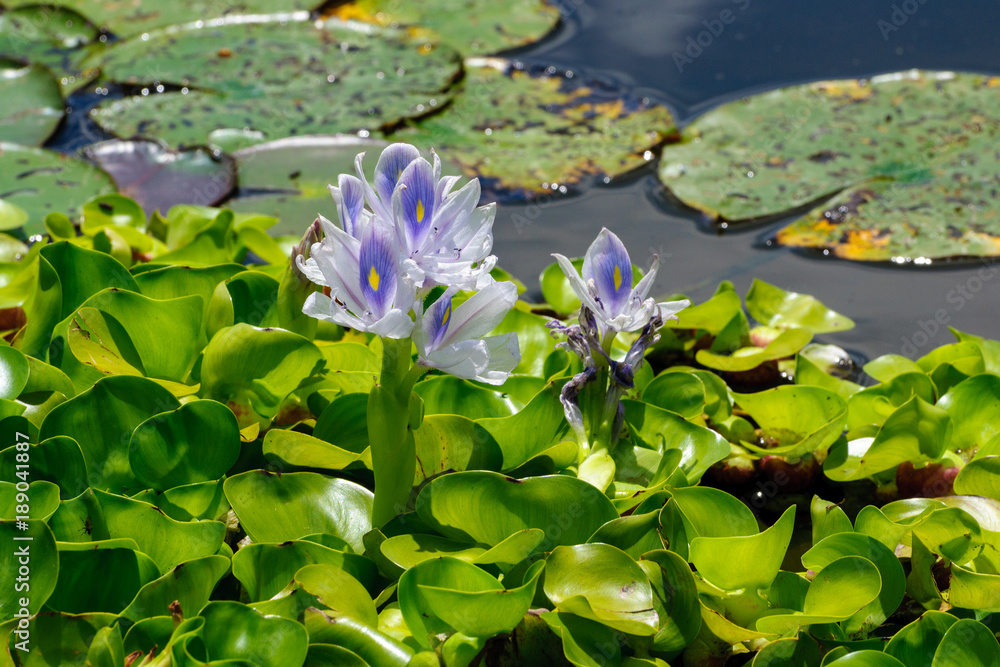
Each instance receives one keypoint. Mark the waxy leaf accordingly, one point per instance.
(487, 508)
(79, 591)
(602, 583)
(33, 104)
(276, 508)
(234, 71)
(546, 130)
(29, 563)
(774, 307)
(749, 561)
(661, 430)
(800, 419)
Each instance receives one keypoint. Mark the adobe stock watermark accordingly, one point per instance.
(956, 297)
(898, 17)
(696, 44)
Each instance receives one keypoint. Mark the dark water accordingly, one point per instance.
(765, 44)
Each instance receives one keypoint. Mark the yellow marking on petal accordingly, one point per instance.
(618, 278)
(447, 315)
(373, 279)
(420, 211)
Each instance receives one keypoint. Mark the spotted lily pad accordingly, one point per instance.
(32, 104)
(41, 181)
(127, 17)
(270, 79)
(526, 131)
(52, 36)
(473, 27)
(158, 178)
(910, 154)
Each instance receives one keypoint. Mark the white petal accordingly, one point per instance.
(669, 309)
(577, 285)
(395, 324)
(641, 288)
(481, 313)
(322, 307)
(381, 208)
(505, 355)
(310, 269)
(466, 359)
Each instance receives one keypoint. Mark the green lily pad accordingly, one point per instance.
(526, 133)
(42, 182)
(159, 178)
(125, 18)
(234, 73)
(892, 147)
(289, 178)
(473, 28)
(50, 36)
(276, 508)
(33, 104)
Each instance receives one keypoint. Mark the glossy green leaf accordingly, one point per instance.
(276, 508)
(446, 593)
(218, 63)
(889, 568)
(235, 632)
(190, 584)
(197, 442)
(57, 460)
(451, 443)
(30, 567)
(487, 508)
(786, 344)
(917, 642)
(376, 648)
(166, 541)
(602, 583)
(534, 429)
(79, 590)
(201, 500)
(585, 643)
(305, 451)
(265, 569)
(548, 130)
(973, 405)
(873, 405)
(448, 395)
(68, 637)
(14, 371)
(827, 519)
(683, 393)
(338, 591)
(102, 419)
(801, 419)
(967, 642)
(675, 599)
(917, 432)
(42, 500)
(774, 307)
(749, 561)
(661, 430)
(257, 366)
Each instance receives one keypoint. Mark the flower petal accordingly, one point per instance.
(322, 307)
(417, 203)
(465, 359)
(393, 161)
(483, 311)
(607, 264)
(505, 355)
(437, 319)
(642, 287)
(576, 283)
(378, 272)
(395, 324)
(349, 196)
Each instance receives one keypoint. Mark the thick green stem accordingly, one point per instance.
(394, 458)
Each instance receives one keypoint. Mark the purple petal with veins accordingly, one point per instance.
(607, 264)
(378, 271)
(417, 199)
(391, 164)
(350, 203)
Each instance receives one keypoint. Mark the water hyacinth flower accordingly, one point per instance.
(368, 289)
(442, 235)
(604, 285)
(453, 340)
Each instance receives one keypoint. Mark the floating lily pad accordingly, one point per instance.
(910, 154)
(51, 36)
(530, 131)
(127, 17)
(158, 178)
(288, 178)
(32, 103)
(273, 79)
(473, 27)
(41, 181)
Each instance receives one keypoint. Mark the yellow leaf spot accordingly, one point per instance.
(373, 279)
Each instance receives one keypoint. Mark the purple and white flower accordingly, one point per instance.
(452, 340)
(368, 289)
(604, 285)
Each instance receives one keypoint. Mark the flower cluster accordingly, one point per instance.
(381, 263)
(611, 305)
